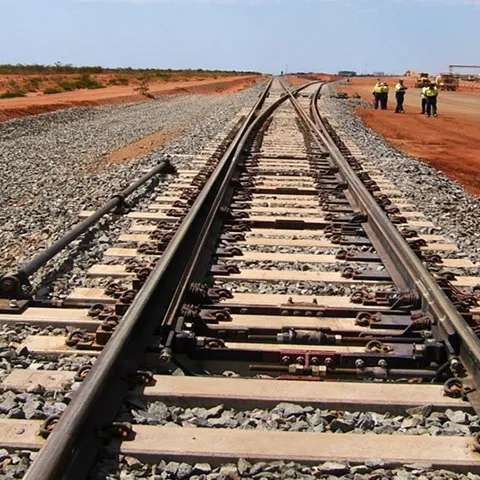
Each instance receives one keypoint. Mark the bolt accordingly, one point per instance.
(165, 355)
(13, 303)
(455, 364)
(314, 360)
(285, 359)
(382, 363)
(329, 362)
(300, 360)
(359, 363)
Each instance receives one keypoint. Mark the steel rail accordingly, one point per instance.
(71, 448)
(451, 326)
(16, 286)
(192, 272)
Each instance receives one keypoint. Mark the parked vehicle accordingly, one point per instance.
(445, 81)
(422, 80)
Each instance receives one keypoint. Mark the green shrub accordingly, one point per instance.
(144, 88)
(12, 94)
(86, 81)
(67, 86)
(34, 83)
(14, 86)
(59, 68)
(119, 81)
(52, 90)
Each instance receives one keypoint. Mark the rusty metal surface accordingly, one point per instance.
(103, 389)
(405, 265)
(393, 324)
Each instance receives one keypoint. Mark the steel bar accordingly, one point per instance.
(11, 285)
(451, 324)
(72, 447)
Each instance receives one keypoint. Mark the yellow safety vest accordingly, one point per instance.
(431, 91)
(400, 88)
(377, 88)
(384, 88)
(423, 92)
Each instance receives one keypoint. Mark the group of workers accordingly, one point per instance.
(429, 97)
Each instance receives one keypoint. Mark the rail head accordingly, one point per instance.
(450, 326)
(73, 444)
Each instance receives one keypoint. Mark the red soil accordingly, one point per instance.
(35, 103)
(450, 143)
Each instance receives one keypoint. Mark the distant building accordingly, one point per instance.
(378, 74)
(347, 73)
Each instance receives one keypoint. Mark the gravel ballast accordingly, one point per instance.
(121, 467)
(15, 356)
(130, 468)
(297, 418)
(295, 288)
(49, 164)
(443, 201)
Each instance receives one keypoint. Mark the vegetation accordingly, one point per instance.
(52, 90)
(12, 94)
(59, 78)
(66, 85)
(14, 90)
(144, 88)
(59, 68)
(33, 84)
(119, 81)
(63, 85)
(13, 85)
(84, 81)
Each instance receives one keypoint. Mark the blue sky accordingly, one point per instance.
(263, 35)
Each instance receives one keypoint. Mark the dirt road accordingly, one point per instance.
(461, 103)
(451, 142)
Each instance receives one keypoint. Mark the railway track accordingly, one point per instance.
(288, 263)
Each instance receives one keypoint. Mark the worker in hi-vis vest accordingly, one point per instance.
(424, 100)
(431, 92)
(400, 90)
(384, 95)
(377, 93)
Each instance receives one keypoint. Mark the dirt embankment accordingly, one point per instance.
(450, 142)
(138, 149)
(36, 102)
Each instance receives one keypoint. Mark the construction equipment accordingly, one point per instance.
(451, 67)
(468, 77)
(422, 80)
(447, 81)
